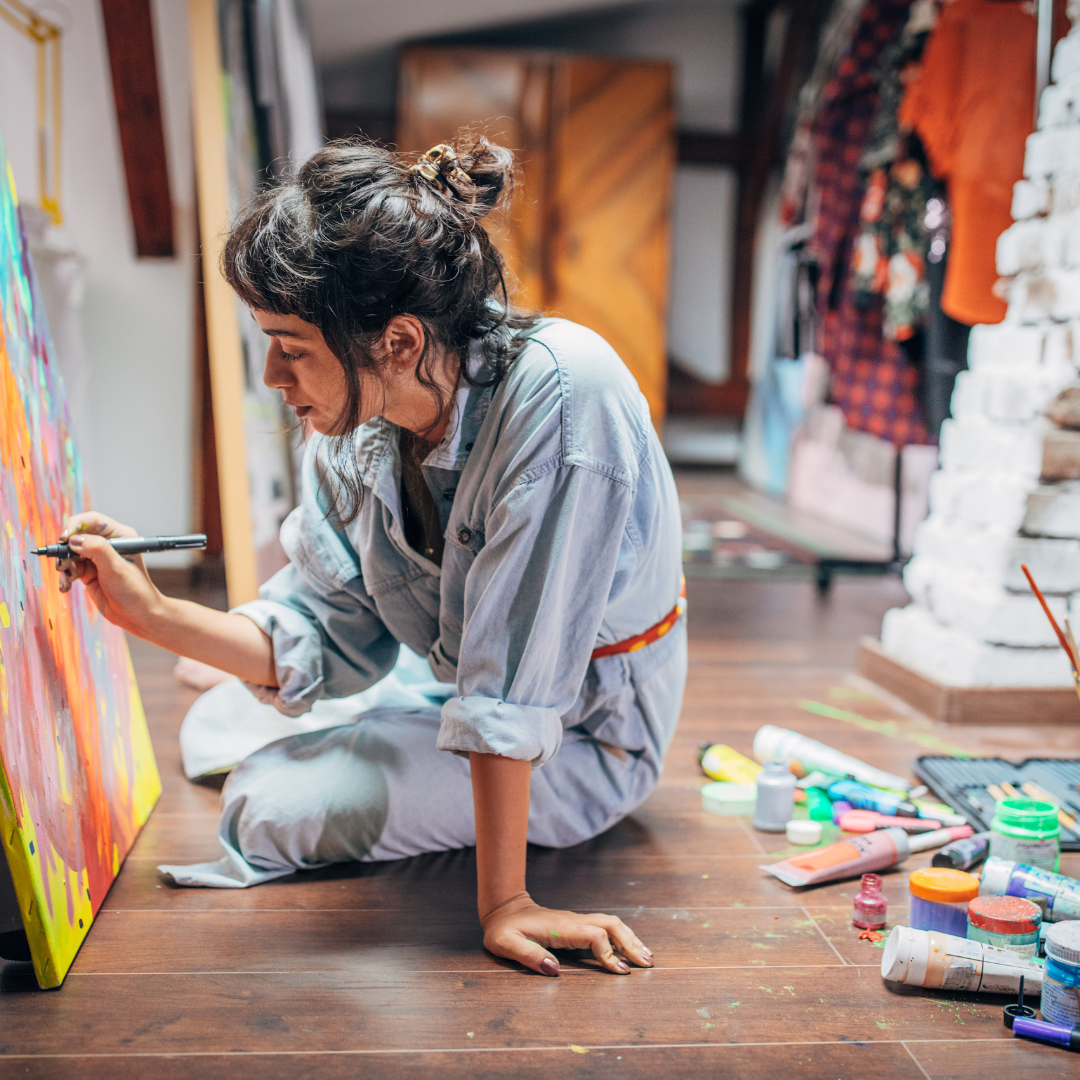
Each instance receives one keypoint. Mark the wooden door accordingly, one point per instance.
(611, 208)
(507, 97)
(587, 235)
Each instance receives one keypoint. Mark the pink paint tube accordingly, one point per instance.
(859, 855)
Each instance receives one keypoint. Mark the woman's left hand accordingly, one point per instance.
(521, 930)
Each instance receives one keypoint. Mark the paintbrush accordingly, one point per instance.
(1035, 791)
(1069, 648)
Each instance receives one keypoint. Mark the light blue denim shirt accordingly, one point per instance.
(562, 534)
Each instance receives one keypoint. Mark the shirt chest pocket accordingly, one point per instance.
(463, 544)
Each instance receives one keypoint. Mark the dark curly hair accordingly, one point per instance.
(358, 236)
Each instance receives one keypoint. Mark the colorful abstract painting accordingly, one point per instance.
(77, 772)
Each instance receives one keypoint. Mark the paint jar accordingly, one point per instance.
(1008, 922)
(870, 904)
(1060, 1002)
(939, 899)
(944, 962)
(1058, 895)
(1026, 831)
(775, 797)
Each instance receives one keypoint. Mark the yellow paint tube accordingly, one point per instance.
(720, 762)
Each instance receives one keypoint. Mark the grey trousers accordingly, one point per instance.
(378, 789)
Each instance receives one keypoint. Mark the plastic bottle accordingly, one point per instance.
(1060, 1002)
(870, 904)
(775, 797)
(1026, 831)
(1061, 894)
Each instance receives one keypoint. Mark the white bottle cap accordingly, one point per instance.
(995, 876)
(906, 955)
(801, 831)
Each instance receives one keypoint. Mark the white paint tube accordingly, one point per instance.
(943, 962)
(789, 746)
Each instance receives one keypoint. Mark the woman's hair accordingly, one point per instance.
(361, 234)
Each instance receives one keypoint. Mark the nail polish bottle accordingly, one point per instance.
(870, 904)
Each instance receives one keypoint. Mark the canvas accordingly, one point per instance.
(77, 771)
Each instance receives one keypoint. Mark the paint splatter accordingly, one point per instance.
(870, 935)
(78, 777)
(892, 728)
(578, 1049)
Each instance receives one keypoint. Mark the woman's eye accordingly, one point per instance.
(290, 356)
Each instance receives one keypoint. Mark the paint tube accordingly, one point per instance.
(847, 859)
(964, 854)
(864, 821)
(790, 746)
(943, 962)
(720, 762)
(859, 855)
(1060, 894)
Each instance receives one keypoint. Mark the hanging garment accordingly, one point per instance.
(873, 383)
(973, 105)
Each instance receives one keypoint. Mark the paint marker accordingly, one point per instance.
(963, 854)
(944, 962)
(864, 821)
(863, 797)
(1054, 1034)
(128, 545)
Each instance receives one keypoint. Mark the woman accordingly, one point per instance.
(485, 488)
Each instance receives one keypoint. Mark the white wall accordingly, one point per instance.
(137, 315)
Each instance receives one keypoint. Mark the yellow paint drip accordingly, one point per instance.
(5, 616)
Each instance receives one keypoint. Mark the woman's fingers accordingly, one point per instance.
(597, 939)
(514, 945)
(97, 524)
(624, 939)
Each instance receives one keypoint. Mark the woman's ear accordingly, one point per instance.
(403, 340)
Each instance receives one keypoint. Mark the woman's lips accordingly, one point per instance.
(302, 410)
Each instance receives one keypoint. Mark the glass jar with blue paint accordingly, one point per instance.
(939, 899)
(1060, 1002)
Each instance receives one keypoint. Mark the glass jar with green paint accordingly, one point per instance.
(1026, 831)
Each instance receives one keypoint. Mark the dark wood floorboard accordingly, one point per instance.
(377, 969)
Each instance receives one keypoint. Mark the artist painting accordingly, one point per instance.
(484, 494)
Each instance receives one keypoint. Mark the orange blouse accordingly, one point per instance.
(972, 105)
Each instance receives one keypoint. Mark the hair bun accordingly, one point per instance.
(477, 176)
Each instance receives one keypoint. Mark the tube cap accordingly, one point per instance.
(1063, 942)
(995, 876)
(944, 885)
(801, 831)
(1004, 914)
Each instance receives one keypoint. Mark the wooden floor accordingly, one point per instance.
(378, 971)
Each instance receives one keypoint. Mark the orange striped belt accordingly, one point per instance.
(654, 633)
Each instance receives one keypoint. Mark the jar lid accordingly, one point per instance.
(944, 885)
(1028, 814)
(801, 831)
(1063, 942)
(1004, 914)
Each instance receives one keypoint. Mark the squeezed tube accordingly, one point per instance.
(944, 962)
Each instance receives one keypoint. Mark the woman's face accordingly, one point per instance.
(300, 364)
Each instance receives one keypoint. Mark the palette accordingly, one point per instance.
(77, 773)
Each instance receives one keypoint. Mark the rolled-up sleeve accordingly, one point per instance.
(535, 599)
(326, 644)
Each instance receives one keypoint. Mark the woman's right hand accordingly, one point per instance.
(120, 587)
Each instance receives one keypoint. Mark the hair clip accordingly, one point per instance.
(440, 163)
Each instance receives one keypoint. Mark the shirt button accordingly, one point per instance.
(449, 494)
(464, 536)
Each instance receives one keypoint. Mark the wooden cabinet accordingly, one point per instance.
(587, 234)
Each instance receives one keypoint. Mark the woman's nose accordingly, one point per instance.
(276, 371)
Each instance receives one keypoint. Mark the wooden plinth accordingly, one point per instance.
(1041, 705)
